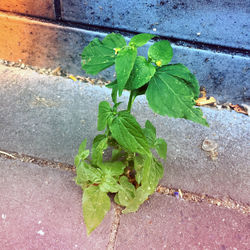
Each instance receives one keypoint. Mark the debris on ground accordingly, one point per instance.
(204, 99)
(41, 101)
(193, 197)
(58, 71)
(244, 109)
(210, 147)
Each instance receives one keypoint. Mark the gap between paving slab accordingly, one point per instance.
(175, 192)
(48, 117)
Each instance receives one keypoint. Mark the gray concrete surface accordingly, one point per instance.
(39, 8)
(167, 223)
(216, 22)
(49, 116)
(48, 45)
(41, 209)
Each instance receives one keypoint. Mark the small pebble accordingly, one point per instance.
(41, 232)
(209, 145)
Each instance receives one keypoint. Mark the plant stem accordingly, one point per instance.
(131, 100)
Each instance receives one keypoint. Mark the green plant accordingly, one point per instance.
(133, 171)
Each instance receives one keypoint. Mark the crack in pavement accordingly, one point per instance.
(169, 191)
(114, 227)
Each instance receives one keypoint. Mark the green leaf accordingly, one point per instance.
(96, 57)
(109, 184)
(116, 200)
(82, 153)
(100, 143)
(182, 72)
(141, 73)
(161, 148)
(82, 147)
(152, 172)
(81, 178)
(138, 165)
(86, 174)
(140, 197)
(124, 64)
(161, 53)
(114, 40)
(140, 39)
(115, 168)
(128, 133)
(80, 157)
(114, 86)
(104, 114)
(114, 93)
(151, 127)
(95, 205)
(141, 91)
(172, 96)
(99, 55)
(150, 133)
(126, 192)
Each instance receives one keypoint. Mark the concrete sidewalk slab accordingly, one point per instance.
(168, 223)
(48, 117)
(213, 22)
(40, 208)
(49, 45)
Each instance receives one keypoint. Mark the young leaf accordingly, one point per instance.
(80, 157)
(138, 165)
(152, 172)
(103, 115)
(114, 40)
(99, 55)
(150, 133)
(116, 199)
(87, 172)
(140, 39)
(82, 153)
(172, 96)
(139, 198)
(100, 143)
(161, 53)
(81, 178)
(151, 127)
(126, 191)
(115, 168)
(82, 146)
(141, 73)
(109, 184)
(95, 204)
(124, 64)
(114, 86)
(128, 133)
(161, 148)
